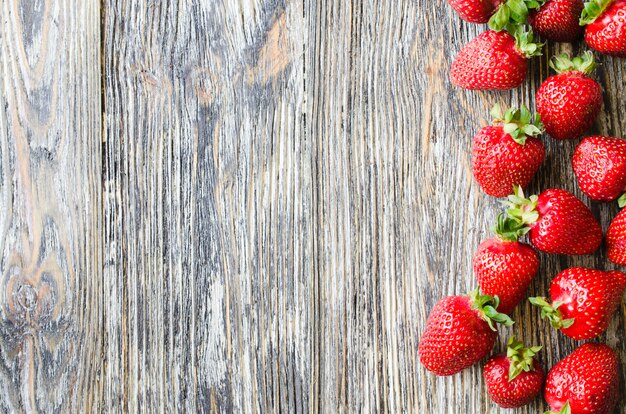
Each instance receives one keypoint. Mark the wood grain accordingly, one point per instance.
(208, 207)
(50, 196)
(249, 206)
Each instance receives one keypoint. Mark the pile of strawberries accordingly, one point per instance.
(461, 330)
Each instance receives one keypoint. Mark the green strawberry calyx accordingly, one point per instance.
(592, 10)
(520, 357)
(486, 305)
(518, 123)
(512, 12)
(525, 40)
(551, 312)
(566, 409)
(622, 200)
(584, 63)
(521, 209)
(508, 229)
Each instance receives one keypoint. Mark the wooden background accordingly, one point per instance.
(248, 206)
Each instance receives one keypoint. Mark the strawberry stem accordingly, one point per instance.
(521, 209)
(551, 312)
(517, 123)
(622, 200)
(508, 229)
(520, 358)
(524, 40)
(584, 63)
(592, 10)
(486, 305)
(512, 12)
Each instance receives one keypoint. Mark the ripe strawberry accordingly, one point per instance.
(559, 222)
(504, 267)
(587, 380)
(616, 238)
(494, 60)
(507, 155)
(583, 301)
(557, 20)
(498, 13)
(515, 378)
(600, 167)
(605, 29)
(459, 332)
(569, 101)
(475, 11)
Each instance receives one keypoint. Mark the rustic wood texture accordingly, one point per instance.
(257, 210)
(50, 197)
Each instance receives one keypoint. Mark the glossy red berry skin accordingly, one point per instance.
(455, 337)
(505, 269)
(568, 104)
(490, 61)
(565, 225)
(588, 379)
(557, 20)
(499, 163)
(475, 11)
(607, 34)
(512, 394)
(590, 297)
(599, 164)
(616, 239)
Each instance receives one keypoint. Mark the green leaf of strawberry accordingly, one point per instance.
(551, 312)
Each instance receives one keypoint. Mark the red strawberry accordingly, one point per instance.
(514, 379)
(494, 60)
(559, 222)
(557, 20)
(570, 101)
(459, 332)
(498, 13)
(600, 167)
(587, 380)
(507, 155)
(583, 301)
(606, 26)
(505, 267)
(616, 238)
(475, 11)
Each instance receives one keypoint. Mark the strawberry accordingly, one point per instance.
(583, 301)
(584, 382)
(507, 153)
(459, 332)
(569, 101)
(503, 266)
(515, 378)
(494, 60)
(605, 29)
(559, 222)
(498, 13)
(557, 20)
(616, 238)
(600, 167)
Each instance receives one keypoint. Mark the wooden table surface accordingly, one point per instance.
(248, 205)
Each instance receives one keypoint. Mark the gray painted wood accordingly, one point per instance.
(281, 193)
(50, 196)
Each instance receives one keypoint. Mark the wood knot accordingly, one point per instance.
(31, 302)
(26, 297)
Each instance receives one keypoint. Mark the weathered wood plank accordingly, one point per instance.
(208, 207)
(287, 194)
(50, 195)
(399, 215)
